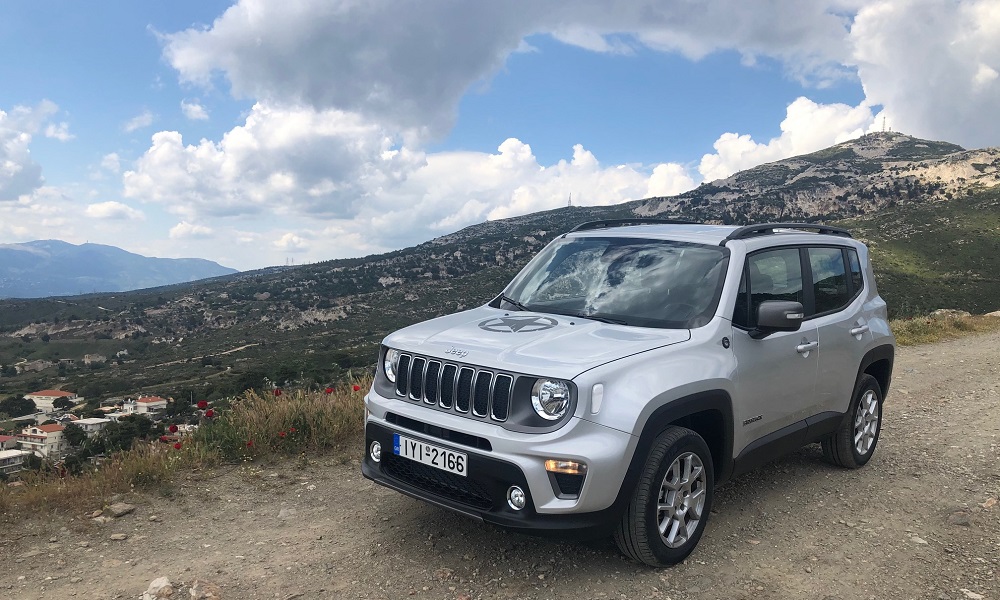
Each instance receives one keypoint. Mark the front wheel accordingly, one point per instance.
(853, 445)
(669, 509)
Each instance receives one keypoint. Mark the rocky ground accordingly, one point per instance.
(922, 520)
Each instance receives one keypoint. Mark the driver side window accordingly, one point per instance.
(773, 275)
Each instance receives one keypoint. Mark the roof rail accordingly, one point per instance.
(625, 222)
(749, 231)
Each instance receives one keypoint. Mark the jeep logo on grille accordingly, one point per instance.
(518, 324)
(457, 352)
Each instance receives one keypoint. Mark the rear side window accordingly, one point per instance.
(830, 286)
(856, 278)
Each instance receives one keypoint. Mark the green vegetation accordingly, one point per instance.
(937, 254)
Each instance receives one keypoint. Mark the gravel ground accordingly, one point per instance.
(922, 520)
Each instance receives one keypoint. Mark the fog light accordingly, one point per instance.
(569, 467)
(516, 498)
(376, 451)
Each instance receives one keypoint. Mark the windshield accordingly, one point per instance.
(648, 283)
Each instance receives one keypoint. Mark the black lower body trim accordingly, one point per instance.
(481, 495)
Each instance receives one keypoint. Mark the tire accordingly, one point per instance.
(854, 443)
(678, 469)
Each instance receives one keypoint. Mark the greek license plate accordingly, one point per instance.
(442, 458)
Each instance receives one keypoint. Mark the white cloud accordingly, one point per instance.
(113, 210)
(140, 121)
(194, 110)
(111, 162)
(291, 242)
(933, 66)
(374, 58)
(185, 230)
(807, 127)
(59, 131)
(19, 174)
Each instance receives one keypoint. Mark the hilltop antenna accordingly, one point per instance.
(570, 201)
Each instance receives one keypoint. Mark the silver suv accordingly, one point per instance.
(630, 368)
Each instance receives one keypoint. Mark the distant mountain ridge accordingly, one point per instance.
(45, 268)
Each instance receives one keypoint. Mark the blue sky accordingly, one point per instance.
(265, 132)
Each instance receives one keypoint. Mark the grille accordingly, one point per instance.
(569, 484)
(481, 392)
(453, 487)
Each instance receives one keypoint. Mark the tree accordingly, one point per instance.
(17, 406)
(74, 434)
(63, 403)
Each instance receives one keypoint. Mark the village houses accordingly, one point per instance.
(46, 441)
(45, 399)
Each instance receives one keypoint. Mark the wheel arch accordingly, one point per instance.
(878, 362)
(708, 413)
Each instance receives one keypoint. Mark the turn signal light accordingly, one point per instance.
(569, 467)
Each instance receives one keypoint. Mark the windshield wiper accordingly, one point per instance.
(510, 300)
(604, 319)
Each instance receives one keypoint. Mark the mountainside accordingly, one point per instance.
(930, 211)
(54, 268)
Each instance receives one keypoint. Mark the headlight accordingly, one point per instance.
(550, 397)
(390, 364)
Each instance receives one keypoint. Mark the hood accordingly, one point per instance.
(529, 342)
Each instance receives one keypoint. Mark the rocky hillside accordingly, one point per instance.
(930, 210)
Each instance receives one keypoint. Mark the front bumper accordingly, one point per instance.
(482, 495)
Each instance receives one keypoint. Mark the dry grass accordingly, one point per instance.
(255, 425)
(261, 424)
(143, 467)
(925, 330)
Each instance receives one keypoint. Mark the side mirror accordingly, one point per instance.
(777, 315)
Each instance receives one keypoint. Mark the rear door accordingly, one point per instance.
(842, 326)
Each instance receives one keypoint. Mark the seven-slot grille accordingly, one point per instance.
(480, 392)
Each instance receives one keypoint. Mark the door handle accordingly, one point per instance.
(805, 348)
(859, 330)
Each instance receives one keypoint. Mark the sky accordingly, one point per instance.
(266, 132)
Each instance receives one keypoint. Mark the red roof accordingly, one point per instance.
(148, 399)
(53, 393)
(51, 428)
(5, 438)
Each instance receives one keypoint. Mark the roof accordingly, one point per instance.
(5, 438)
(148, 399)
(53, 393)
(715, 235)
(52, 428)
(93, 421)
(12, 453)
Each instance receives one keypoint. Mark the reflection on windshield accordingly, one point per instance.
(651, 283)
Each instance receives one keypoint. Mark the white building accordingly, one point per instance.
(12, 461)
(92, 426)
(45, 399)
(43, 440)
(145, 405)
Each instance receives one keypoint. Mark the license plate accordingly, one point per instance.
(435, 456)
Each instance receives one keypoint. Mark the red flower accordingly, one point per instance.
(329, 390)
(357, 388)
(291, 430)
(281, 434)
(210, 413)
(277, 392)
(173, 429)
(249, 443)
(202, 404)
(177, 446)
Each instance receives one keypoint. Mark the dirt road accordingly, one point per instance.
(920, 521)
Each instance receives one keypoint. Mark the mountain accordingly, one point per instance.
(930, 212)
(54, 268)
